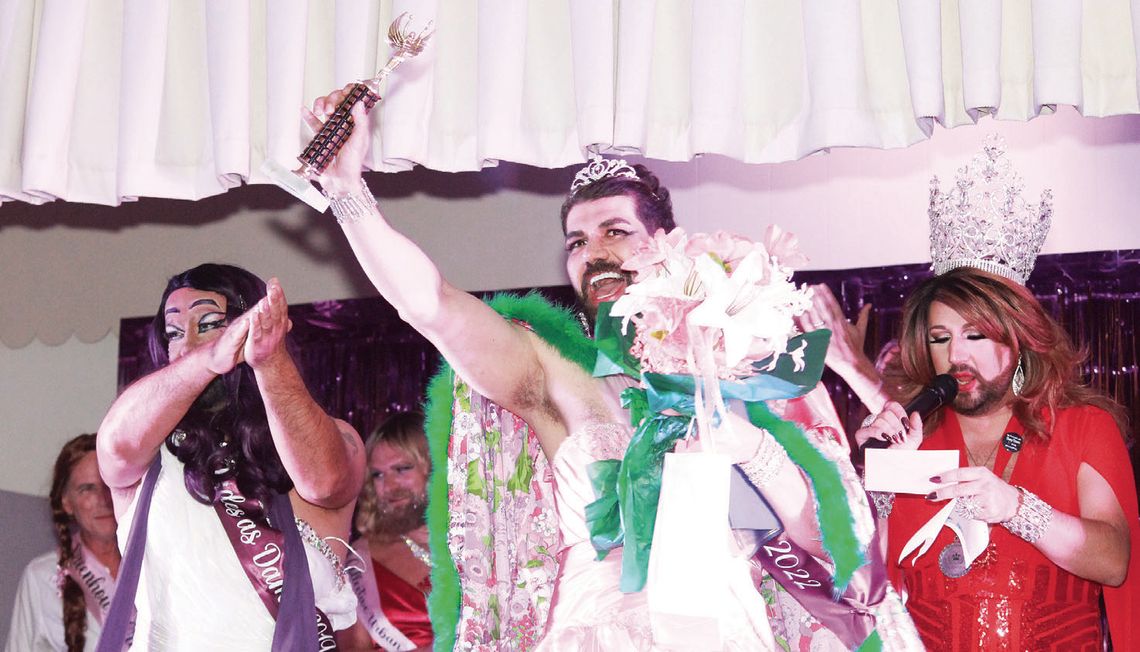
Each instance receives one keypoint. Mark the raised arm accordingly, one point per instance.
(145, 413)
(324, 456)
(496, 357)
(845, 354)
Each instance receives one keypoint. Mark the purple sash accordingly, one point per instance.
(119, 627)
(849, 616)
(297, 629)
(259, 547)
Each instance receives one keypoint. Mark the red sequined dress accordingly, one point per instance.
(1012, 597)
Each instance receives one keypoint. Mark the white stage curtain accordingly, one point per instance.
(107, 100)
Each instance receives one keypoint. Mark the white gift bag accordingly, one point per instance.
(688, 584)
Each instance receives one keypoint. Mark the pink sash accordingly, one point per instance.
(93, 578)
(369, 611)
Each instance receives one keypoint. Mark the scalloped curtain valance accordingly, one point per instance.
(105, 101)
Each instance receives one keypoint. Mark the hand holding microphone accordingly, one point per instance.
(903, 425)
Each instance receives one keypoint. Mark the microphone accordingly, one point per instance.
(939, 392)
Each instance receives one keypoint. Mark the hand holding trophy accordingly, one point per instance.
(323, 147)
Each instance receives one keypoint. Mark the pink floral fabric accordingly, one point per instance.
(503, 533)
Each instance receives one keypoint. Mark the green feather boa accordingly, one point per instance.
(559, 328)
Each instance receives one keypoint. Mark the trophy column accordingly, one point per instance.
(323, 148)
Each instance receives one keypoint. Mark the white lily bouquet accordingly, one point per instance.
(720, 291)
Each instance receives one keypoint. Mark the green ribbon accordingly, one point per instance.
(628, 490)
(873, 643)
(613, 346)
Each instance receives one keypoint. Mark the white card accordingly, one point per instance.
(906, 472)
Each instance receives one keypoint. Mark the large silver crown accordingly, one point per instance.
(984, 222)
(599, 168)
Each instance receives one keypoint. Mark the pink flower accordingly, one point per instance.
(726, 248)
(662, 317)
(784, 247)
(733, 295)
(661, 342)
(653, 253)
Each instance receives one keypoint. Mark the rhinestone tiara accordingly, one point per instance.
(984, 222)
(599, 168)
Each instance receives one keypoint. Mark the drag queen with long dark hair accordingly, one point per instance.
(245, 485)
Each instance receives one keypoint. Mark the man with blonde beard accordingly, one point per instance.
(391, 590)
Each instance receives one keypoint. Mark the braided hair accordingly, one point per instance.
(74, 603)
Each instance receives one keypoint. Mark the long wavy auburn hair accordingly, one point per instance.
(1005, 312)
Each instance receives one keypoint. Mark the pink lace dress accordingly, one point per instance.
(589, 612)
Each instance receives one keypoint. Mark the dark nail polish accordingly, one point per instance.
(932, 495)
(936, 478)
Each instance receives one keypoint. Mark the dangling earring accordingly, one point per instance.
(1018, 381)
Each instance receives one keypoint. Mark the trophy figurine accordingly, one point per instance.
(324, 146)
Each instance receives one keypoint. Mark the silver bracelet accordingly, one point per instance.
(884, 502)
(1032, 518)
(353, 207)
(766, 463)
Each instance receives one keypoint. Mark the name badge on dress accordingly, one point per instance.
(1012, 442)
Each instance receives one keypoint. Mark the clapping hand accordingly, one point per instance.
(268, 324)
(256, 336)
(228, 351)
(846, 338)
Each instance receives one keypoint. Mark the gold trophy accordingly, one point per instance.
(324, 146)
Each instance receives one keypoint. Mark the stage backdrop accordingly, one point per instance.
(362, 362)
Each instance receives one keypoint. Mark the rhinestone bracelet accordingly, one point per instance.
(884, 502)
(766, 463)
(353, 207)
(1032, 518)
